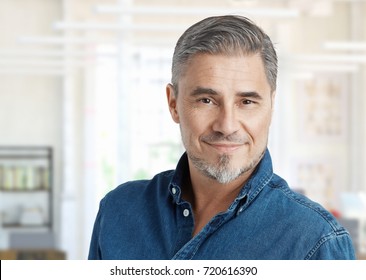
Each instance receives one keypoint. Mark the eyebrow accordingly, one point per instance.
(250, 94)
(202, 90)
(247, 94)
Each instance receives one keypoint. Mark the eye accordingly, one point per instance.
(247, 102)
(205, 100)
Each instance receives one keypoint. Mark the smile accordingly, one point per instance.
(225, 147)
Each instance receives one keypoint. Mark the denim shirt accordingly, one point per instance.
(267, 220)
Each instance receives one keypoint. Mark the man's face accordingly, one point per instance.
(224, 108)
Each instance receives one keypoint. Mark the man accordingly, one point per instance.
(223, 200)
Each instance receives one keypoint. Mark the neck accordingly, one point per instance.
(209, 197)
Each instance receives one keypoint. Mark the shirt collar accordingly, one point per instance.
(181, 171)
(260, 178)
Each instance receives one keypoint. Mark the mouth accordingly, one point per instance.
(225, 147)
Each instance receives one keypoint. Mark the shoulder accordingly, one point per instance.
(311, 219)
(139, 189)
(302, 203)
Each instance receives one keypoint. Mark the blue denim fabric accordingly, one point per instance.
(150, 220)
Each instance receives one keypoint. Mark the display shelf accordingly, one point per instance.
(32, 254)
(26, 187)
(18, 226)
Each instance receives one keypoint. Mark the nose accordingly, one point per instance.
(226, 121)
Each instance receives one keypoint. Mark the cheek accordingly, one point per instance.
(192, 127)
(258, 128)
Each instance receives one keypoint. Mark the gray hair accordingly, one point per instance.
(227, 35)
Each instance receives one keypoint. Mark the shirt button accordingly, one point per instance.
(186, 213)
(174, 190)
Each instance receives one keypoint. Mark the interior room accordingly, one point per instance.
(83, 108)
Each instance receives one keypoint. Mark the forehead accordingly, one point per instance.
(223, 70)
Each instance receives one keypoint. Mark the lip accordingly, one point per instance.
(225, 148)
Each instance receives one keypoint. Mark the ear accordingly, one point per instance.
(172, 102)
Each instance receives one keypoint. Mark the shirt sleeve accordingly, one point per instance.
(337, 247)
(94, 248)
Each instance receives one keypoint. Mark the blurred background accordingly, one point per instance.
(83, 108)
